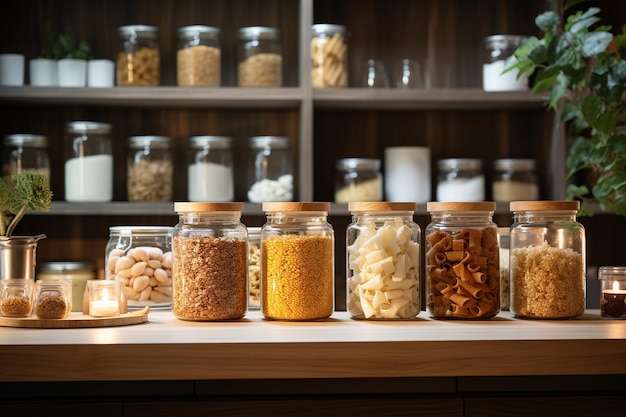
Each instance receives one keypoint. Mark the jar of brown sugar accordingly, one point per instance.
(297, 265)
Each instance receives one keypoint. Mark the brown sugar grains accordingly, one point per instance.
(16, 306)
(52, 307)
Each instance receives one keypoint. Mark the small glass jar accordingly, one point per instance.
(138, 62)
(103, 298)
(16, 297)
(210, 262)
(547, 260)
(52, 299)
(140, 258)
(254, 266)
(89, 164)
(150, 168)
(198, 60)
(297, 266)
(358, 179)
(78, 273)
(271, 175)
(460, 179)
(504, 234)
(210, 169)
(26, 152)
(329, 56)
(383, 261)
(462, 261)
(613, 287)
(500, 54)
(515, 180)
(260, 57)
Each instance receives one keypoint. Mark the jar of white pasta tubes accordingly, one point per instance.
(297, 265)
(150, 168)
(462, 261)
(260, 57)
(198, 60)
(139, 61)
(547, 260)
(383, 261)
(329, 56)
(254, 267)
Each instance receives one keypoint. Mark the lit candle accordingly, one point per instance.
(104, 308)
(613, 303)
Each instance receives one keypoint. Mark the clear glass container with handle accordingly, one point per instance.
(150, 165)
(271, 172)
(358, 179)
(329, 56)
(198, 60)
(260, 57)
(139, 59)
(26, 152)
(210, 169)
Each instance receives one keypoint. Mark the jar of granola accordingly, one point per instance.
(462, 261)
(150, 168)
(260, 57)
(198, 60)
(138, 62)
(210, 269)
(297, 266)
(547, 260)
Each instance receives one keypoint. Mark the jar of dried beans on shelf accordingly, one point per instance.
(198, 60)
(329, 56)
(260, 57)
(150, 168)
(547, 260)
(462, 261)
(297, 266)
(271, 173)
(210, 271)
(383, 261)
(138, 62)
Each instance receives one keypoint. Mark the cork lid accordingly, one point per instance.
(190, 207)
(544, 205)
(360, 206)
(295, 206)
(460, 206)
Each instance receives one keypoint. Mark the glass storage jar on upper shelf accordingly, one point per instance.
(515, 180)
(358, 179)
(150, 168)
(26, 152)
(462, 261)
(210, 169)
(260, 57)
(460, 179)
(383, 261)
(500, 55)
(270, 175)
(547, 260)
(329, 56)
(198, 60)
(139, 60)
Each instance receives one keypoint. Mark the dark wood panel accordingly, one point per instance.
(574, 405)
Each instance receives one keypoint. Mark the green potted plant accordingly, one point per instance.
(72, 55)
(583, 66)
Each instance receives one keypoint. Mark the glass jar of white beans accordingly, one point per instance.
(270, 175)
(329, 56)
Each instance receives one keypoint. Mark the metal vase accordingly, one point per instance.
(18, 256)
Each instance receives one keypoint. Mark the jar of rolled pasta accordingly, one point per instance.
(547, 260)
(138, 62)
(329, 56)
(462, 261)
(383, 261)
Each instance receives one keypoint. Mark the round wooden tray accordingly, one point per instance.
(77, 321)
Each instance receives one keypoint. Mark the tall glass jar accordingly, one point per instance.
(270, 175)
(547, 260)
(198, 60)
(89, 164)
(150, 168)
(210, 169)
(515, 180)
(329, 56)
(462, 261)
(26, 152)
(383, 261)
(139, 61)
(297, 266)
(260, 57)
(460, 179)
(210, 262)
(358, 179)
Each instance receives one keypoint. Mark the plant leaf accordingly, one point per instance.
(595, 43)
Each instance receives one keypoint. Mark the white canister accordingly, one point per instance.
(72, 72)
(407, 174)
(12, 69)
(100, 73)
(43, 72)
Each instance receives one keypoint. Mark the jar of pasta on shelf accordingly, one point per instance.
(297, 249)
(254, 266)
(210, 169)
(462, 261)
(271, 172)
(198, 60)
(139, 61)
(150, 168)
(383, 261)
(547, 260)
(26, 153)
(329, 56)
(260, 57)
(358, 179)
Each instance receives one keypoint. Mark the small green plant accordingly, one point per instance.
(20, 194)
(63, 45)
(583, 66)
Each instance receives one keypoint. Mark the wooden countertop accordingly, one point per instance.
(169, 349)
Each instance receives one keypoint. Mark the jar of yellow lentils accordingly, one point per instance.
(297, 265)
(138, 62)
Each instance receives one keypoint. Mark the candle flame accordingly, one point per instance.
(615, 286)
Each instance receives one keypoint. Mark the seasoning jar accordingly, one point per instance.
(260, 57)
(254, 266)
(78, 273)
(383, 261)
(515, 180)
(460, 179)
(26, 152)
(504, 234)
(16, 297)
(270, 176)
(613, 287)
(140, 257)
(198, 60)
(52, 299)
(358, 179)
(210, 169)
(210, 262)
(547, 260)
(138, 62)
(500, 54)
(462, 261)
(89, 164)
(150, 168)
(329, 56)
(297, 267)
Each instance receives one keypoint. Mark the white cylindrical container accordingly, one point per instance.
(407, 174)
(210, 169)
(100, 73)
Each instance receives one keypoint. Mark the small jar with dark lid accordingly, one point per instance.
(260, 57)
(150, 168)
(198, 60)
(139, 60)
(26, 153)
(515, 180)
(358, 179)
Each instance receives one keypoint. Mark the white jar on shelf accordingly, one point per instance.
(210, 169)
